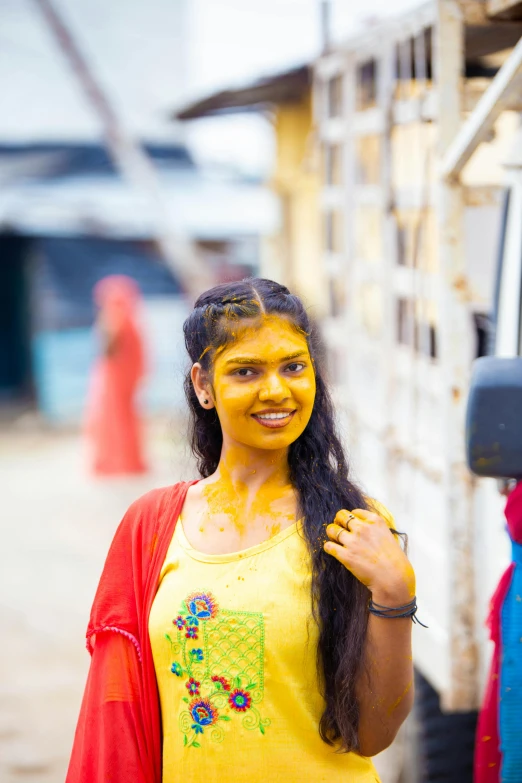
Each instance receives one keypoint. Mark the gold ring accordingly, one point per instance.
(338, 534)
(345, 524)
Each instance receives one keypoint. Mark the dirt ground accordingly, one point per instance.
(56, 524)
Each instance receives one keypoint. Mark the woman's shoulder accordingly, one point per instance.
(135, 552)
(153, 505)
(152, 501)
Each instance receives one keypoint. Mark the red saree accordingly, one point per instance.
(113, 424)
(118, 736)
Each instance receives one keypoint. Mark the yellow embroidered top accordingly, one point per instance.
(234, 650)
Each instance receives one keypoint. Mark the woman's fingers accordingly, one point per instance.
(336, 548)
(338, 534)
(350, 520)
(363, 542)
(366, 516)
(337, 551)
(343, 518)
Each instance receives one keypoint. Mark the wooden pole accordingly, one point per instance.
(130, 158)
(326, 12)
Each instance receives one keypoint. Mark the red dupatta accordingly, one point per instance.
(118, 736)
(488, 759)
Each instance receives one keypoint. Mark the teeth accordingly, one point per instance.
(273, 415)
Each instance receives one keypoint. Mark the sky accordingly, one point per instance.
(153, 55)
(233, 41)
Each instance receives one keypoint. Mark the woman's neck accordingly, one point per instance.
(252, 469)
(250, 490)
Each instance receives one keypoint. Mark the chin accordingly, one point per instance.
(273, 442)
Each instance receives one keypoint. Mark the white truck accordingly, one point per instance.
(422, 111)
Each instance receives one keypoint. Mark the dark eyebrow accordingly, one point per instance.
(256, 361)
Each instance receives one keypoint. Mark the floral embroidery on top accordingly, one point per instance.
(224, 684)
(193, 686)
(202, 606)
(203, 714)
(224, 673)
(239, 700)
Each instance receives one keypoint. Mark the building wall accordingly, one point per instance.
(292, 254)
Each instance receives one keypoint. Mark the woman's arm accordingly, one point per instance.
(108, 331)
(385, 688)
(365, 545)
(110, 738)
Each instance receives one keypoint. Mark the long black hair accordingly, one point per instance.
(320, 476)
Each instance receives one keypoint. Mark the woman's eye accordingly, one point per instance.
(295, 366)
(244, 372)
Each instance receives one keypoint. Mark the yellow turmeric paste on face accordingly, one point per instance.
(266, 370)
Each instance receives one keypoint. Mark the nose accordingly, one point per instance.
(274, 389)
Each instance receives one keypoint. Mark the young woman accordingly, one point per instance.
(113, 425)
(254, 625)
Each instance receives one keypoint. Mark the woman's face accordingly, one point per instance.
(264, 385)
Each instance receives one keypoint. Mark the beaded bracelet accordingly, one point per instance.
(390, 613)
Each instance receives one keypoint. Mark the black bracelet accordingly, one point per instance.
(393, 612)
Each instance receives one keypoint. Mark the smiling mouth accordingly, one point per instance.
(274, 420)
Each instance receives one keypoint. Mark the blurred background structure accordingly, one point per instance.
(291, 252)
(76, 200)
(355, 155)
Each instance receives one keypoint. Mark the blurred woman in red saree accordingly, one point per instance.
(113, 424)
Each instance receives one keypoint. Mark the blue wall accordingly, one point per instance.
(63, 360)
(64, 342)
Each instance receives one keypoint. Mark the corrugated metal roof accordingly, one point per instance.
(46, 161)
(286, 87)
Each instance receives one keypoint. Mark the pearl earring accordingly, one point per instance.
(205, 402)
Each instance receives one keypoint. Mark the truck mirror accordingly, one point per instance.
(494, 418)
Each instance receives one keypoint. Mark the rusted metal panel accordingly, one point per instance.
(403, 393)
(456, 352)
(504, 9)
(370, 121)
(474, 12)
(497, 98)
(333, 130)
(422, 108)
(482, 196)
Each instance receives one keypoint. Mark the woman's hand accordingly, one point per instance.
(364, 544)
(362, 541)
